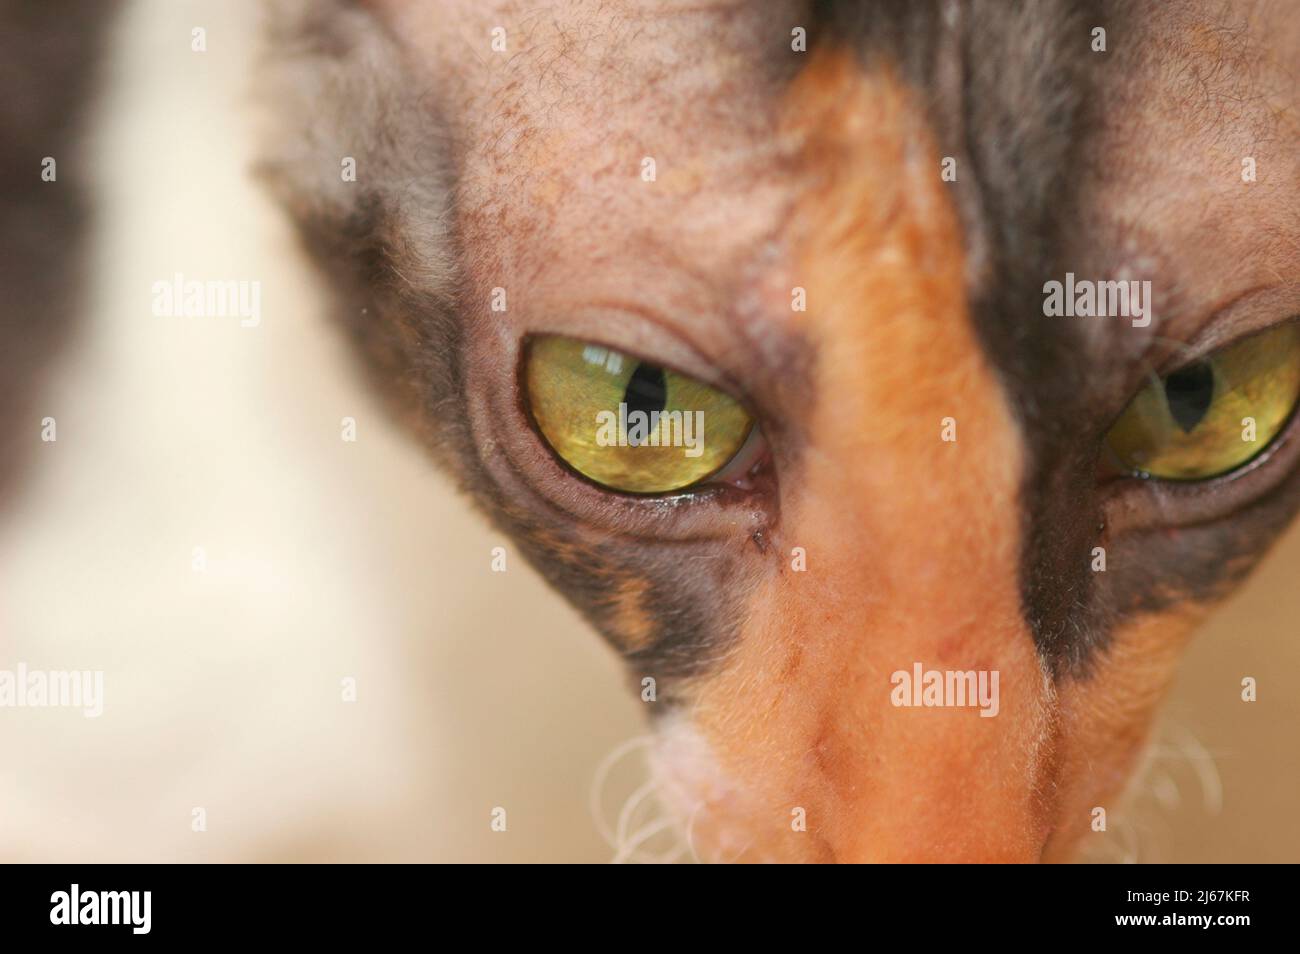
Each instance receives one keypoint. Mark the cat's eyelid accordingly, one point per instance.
(692, 370)
(1253, 311)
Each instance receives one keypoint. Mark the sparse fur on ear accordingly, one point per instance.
(339, 94)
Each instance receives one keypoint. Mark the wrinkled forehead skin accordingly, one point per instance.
(520, 168)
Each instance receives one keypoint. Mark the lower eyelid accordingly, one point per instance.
(1135, 503)
(708, 512)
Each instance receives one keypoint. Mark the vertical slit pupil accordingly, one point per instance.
(1190, 391)
(646, 390)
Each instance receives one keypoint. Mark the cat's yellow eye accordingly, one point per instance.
(628, 424)
(1210, 417)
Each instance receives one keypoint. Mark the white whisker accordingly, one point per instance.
(602, 776)
(634, 802)
(628, 851)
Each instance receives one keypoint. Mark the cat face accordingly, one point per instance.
(974, 310)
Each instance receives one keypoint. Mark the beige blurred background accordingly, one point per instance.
(328, 560)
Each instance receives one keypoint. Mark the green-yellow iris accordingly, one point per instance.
(628, 424)
(1213, 415)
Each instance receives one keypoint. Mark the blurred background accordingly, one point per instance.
(325, 560)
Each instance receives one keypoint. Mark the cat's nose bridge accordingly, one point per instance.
(890, 687)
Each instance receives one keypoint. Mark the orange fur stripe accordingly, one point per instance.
(912, 542)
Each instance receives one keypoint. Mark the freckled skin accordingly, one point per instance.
(551, 136)
(820, 170)
(1200, 96)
